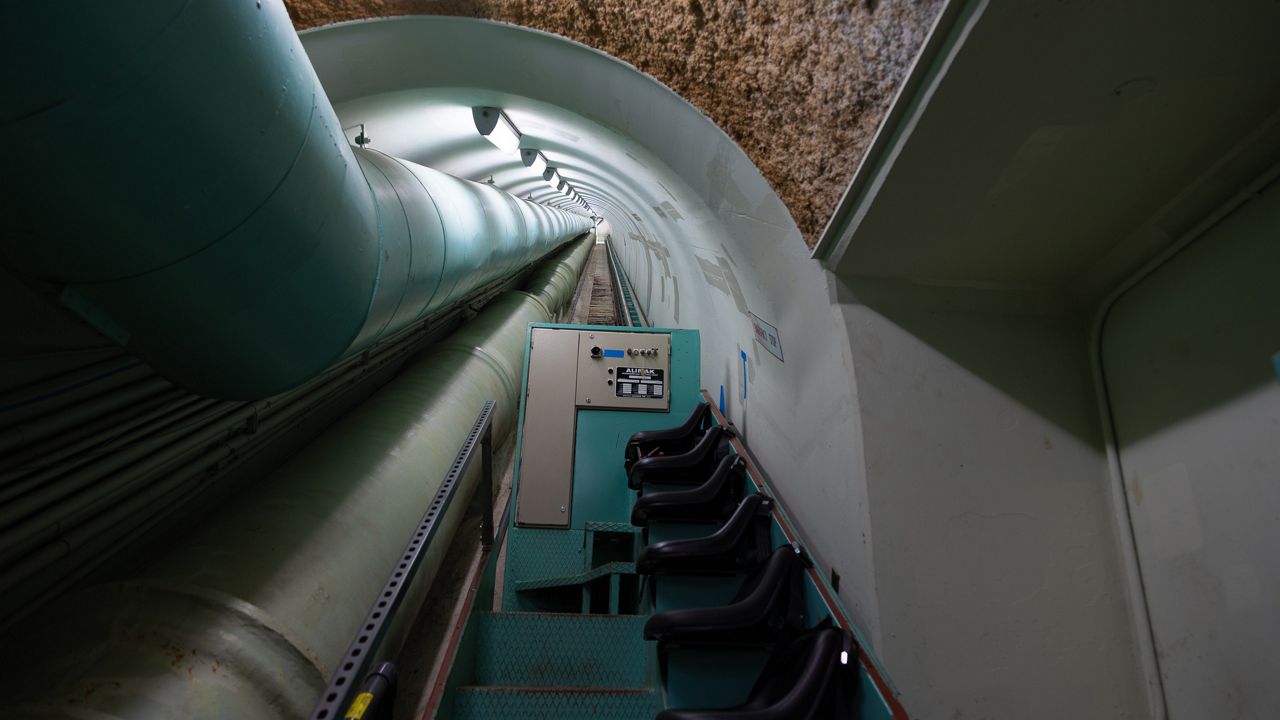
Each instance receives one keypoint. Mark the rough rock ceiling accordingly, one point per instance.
(800, 85)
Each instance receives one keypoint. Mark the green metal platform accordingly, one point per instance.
(562, 650)
(568, 642)
(557, 665)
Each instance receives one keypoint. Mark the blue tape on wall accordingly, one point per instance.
(614, 353)
(744, 374)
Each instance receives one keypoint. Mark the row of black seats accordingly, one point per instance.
(688, 474)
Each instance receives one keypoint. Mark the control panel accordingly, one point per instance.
(624, 370)
(571, 370)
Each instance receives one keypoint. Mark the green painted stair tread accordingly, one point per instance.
(534, 553)
(562, 650)
(582, 578)
(541, 703)
(538, 552)
(618, 527)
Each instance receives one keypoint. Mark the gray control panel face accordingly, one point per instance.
(624, 370)
(572, 370)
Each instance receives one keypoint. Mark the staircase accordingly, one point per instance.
(562, 666)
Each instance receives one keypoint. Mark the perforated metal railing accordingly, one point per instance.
(345, 697)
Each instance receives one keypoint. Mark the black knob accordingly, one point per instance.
(596, 353)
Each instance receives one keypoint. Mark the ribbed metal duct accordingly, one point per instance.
(245, 616)
(178, 171)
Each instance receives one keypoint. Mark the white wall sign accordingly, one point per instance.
(767, 335)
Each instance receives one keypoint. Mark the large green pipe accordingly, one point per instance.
(178, 171)
(244, 616)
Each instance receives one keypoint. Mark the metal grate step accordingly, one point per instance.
(539, 703)
(562, 650)
(582, 578)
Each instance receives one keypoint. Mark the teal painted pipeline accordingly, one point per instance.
(178, 172)
(245, 615)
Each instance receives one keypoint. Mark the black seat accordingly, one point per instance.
(669, 441)
(805, 678)
(739, 546)
(768, 605)
(712, 501)
(690, 468)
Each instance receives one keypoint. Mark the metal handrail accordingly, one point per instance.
(377, 688)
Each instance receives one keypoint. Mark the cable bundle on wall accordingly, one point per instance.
(244, 616)
(72, 494)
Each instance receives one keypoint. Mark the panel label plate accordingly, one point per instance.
(639, 383)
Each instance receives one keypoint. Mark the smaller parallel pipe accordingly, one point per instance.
(274, 417)
(12, 486)
(273, 582)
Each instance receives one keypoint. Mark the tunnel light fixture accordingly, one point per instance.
(534, 160)
(361, 139)
(552, 176)
(497, 128)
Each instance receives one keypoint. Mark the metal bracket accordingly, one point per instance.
(358, 658)
(361, 138)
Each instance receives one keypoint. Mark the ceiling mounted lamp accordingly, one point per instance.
(534, 160)
(497, 128)
(552, 176)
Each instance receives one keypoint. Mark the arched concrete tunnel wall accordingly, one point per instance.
(706, 243)
(788, 80)
(703, 238)
(934, 420)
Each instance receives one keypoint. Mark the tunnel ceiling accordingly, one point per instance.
(623, 182)
(651, 164)
(788, 81)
